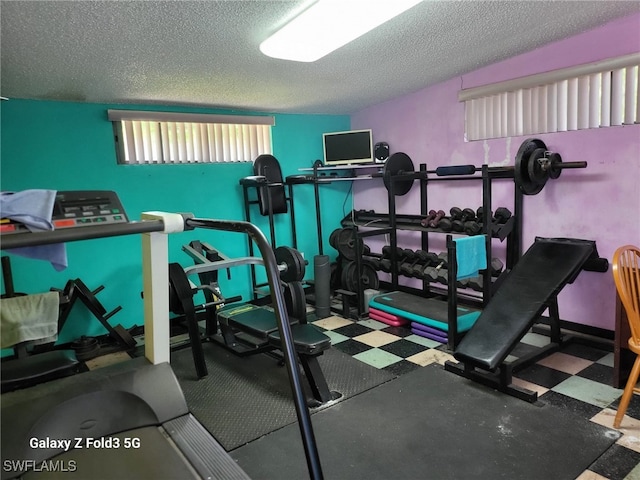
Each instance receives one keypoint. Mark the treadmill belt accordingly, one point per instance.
(539, 275)
(154, 457)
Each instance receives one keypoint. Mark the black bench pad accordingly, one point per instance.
(539, 276)
(261, 323)
(256, 321)
(308, 340)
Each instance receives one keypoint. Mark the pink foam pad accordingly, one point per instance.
(390, 316)
(393, 323)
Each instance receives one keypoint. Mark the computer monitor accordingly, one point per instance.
(351, 147)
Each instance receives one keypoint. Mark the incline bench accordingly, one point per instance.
(530, 288)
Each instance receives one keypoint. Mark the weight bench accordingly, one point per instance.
(529, 289)
(248, 329)
(255, 327)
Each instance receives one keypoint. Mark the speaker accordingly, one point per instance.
(381, 152)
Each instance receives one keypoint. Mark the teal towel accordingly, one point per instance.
(471, 256)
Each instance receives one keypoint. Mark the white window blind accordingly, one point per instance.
(164, 137)
(595, 95)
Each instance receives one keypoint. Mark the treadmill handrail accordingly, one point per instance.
(273, 279)
(32, 239)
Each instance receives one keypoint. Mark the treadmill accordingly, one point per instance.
(129, 420)
(125, 421)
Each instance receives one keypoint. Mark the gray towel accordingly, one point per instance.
(34, 209)
(29, 317)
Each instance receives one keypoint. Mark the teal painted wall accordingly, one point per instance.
(69, 146)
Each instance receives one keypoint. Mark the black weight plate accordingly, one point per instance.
(333, 237)
(397, 164)
(368, 277)
(555, 159)
(538, 176)
(348, 276)
(346, 243)
(295, 301)
(521, 170)
(180, 291)
(294, 264)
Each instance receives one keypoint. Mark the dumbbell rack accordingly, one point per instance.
(510, 231)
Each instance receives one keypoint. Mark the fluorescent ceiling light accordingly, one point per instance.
(328, 25)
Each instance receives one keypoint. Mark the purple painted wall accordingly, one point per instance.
(600, 203)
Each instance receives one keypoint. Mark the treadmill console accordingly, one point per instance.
(78, 208)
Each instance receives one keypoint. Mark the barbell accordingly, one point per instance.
(534, 166)
(291, 264)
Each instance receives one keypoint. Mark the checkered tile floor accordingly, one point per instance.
(577, 378)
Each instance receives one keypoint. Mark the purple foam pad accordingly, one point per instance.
(428, 329)
(430, 336)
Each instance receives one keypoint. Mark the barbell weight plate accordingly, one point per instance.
(346, 243)
(368, 277)
(521, 170)
(294, 264)
(347, 275)
(538, 176)
(333, 237)
(295, 301)
(180, 291)
(397, 164)
(554, 170)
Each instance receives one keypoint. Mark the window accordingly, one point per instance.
(595, 95)
(163, 137)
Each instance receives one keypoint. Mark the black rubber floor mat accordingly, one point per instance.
(244, 398)
(429, 424)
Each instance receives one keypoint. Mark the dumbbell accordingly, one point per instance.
(475, 283)
(433, 223)
(459, 217)
(408, 255)
(445, 224)
(385, 265)
(442, 260)
(423, 259)
(411, 259)
(502, 215)
(496, 267)
(374, 262)
(426, 220)
(427, 258)
(406, 268)
(386, 252)
(436, 274)
(440, 221)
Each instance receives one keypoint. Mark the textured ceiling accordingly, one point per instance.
(206, 52)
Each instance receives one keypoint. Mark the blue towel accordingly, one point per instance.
(34, 209)
(471, 256)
